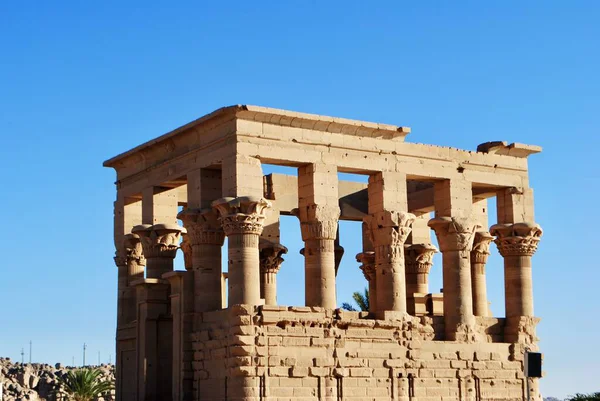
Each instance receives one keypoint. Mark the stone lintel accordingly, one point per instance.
(514, 149)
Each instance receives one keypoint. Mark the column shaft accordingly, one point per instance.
(479, 256)
(455, 237)
(270, 262)
(244, 270)
(157, 266)
(518, 286)
(320, 273)
(390, 276)
(373, 295)
(269, 288)
(458, 297)
(207, 277)
(480, 302)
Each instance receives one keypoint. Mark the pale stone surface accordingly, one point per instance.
(179, 339)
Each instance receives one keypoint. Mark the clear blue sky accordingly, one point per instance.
(79, 84)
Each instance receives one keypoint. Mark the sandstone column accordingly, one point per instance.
(517, 243)
(517, 237)
(134, 262)
(154, 341)
(130, 264)
(455, 238)
(242, 219)
(389, 224)
(182, 308)
(454, 225)
(318, 226)
(389, 230)
(206, 237)
(419, 259)
(318, 211)
(270, 262)
(367, 261)
(479, 256)
(160, 243)
(338, 250)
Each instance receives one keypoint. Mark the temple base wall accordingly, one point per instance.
(307, 353)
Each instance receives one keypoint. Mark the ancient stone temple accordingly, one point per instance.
(209, 334)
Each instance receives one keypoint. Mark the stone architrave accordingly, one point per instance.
(388, 231)
(479, 256)
(455, 237)
(205, 237)
(419, 259)
(517, 243)
(160, 243)
(318, 225)
(367, 266)
(243, 219)
(270, 262)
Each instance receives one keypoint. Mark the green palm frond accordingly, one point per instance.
(85, 384)
(349, 307)
(362, 300)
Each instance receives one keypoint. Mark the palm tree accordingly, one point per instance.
(362, 300)
(85, 384)
(585, 397)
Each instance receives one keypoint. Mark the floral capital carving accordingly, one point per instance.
(271, 256)
(367, 260)
(242, 215)
(518, 239)
(203, 226)
(454, 233)
(481, 247)
(419, 258)
(318, 221)
(132, 251)
(186, 248)
(389, 228)
(159, 240)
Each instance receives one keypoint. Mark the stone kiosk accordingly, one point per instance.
(206, 334)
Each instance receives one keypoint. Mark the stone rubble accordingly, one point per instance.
(38, 382)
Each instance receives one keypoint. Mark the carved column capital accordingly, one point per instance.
(481, 247)
(186, 248)
(131, 251)
(159, 240)
(203, 226)
(318, 221)
(419, 257)
(454, 233)
(367, 261)
(270, 256)
(242, 215)
(388, 231)
(518, 239)
(389, 227)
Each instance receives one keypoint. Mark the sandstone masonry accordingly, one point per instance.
(205, 334)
